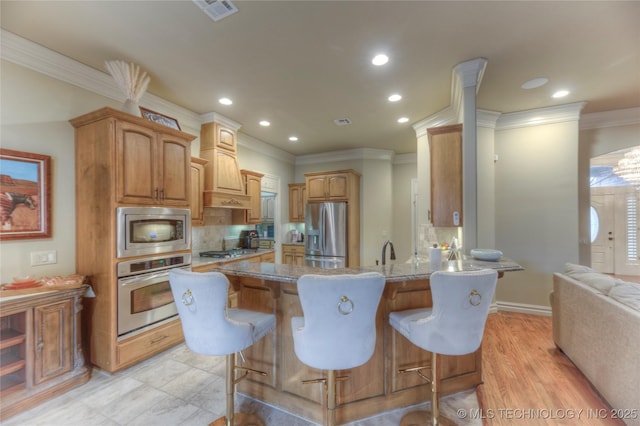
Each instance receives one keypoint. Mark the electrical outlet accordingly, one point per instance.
(48, 257)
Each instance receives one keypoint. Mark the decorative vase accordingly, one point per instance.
(131, 107)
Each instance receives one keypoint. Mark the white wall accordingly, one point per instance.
(536, 204)
(35, 113)
(402, 231)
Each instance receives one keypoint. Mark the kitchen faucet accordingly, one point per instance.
(384, 251)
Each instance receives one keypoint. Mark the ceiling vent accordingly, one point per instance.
(217, 9)
(342, 122)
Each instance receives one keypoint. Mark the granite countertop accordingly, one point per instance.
(200, 261)
(392, 272)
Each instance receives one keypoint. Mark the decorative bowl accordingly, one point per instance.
(486, 254)
(28, 278)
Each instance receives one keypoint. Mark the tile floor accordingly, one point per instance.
(179, 387)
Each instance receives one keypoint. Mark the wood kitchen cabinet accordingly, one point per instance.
(293, 254)
(253, 184)
(224, 185)
(197, 188)
(332, 186)
(445, 150)
(41, 348)
(140, 162)
(152, 167)
(117, 157)
(297, 201)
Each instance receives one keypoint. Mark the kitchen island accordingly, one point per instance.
(372, 388)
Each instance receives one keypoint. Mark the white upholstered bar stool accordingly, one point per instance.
(453, 326)
(338, 330)
(210, 328)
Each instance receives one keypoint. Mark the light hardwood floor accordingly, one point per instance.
(529, 381)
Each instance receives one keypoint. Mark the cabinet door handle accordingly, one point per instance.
(162, 194)
(39, 346)
(158, 339)
(156, 196)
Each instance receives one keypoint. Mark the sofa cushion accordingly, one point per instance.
(570, 268)
(588, 276)
(626, 293)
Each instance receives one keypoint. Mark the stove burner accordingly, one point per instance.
(221, 254)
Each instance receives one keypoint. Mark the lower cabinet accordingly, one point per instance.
(40, 348)
(293, 254)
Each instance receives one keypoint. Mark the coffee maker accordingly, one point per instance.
(249, 239)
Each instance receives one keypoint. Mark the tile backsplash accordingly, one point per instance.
(216, 228)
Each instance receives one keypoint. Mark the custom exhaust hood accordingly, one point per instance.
(223, 185)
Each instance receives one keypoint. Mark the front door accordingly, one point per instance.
(602, 232)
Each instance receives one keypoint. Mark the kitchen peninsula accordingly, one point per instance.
(367, 390)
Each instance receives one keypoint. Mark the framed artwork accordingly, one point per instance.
(25, 195)
(156, 117)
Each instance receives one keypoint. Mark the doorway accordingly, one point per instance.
(613, 219)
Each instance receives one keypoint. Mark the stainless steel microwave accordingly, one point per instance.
(152, 230)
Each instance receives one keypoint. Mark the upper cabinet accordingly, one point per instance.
(445, 149)
(334, 186)
(297, 200)
(197, 186)
(252, 183)
(151, 162)
(223, 183)
(152, 167)
(214, 135)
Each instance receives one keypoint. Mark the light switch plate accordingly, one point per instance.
(47, 257)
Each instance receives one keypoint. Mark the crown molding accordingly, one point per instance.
(620, 117)
(440, 118)
(411, 158)
(256, 145)
(465, 74)
(345, 155)
(540, 116)
(488, 119)
(25, 53)
(214, 117)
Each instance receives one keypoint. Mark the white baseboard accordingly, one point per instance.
(521, 307)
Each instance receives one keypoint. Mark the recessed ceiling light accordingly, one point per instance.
(265, 123)
(293, 139)
(403, 120)
(560, 94)
(394, 98)
(225, 101)
(536, 82)
(380, 59)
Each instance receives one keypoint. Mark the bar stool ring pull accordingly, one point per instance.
(345, 306)
(475, 298)
(187, 298)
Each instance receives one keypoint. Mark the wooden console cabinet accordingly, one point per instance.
(40, 347)
(122, 160)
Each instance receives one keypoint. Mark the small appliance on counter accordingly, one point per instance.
(249, 239)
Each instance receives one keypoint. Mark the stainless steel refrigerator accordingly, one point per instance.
(325, 235)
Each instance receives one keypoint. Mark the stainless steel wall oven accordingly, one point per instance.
(144, 293)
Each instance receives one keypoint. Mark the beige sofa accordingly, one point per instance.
(596, 323)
